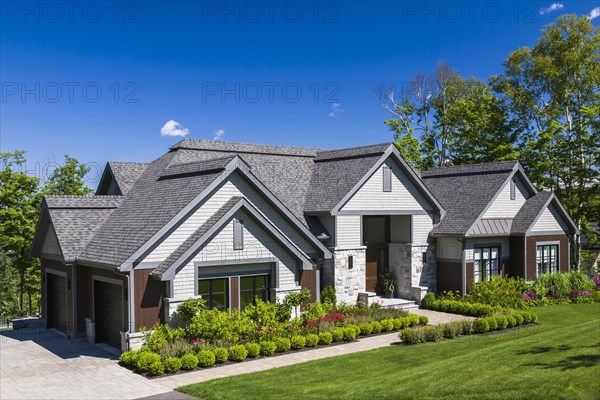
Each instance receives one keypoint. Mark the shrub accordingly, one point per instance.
(172, 365)
(532, 317)
(178, 348)
(295, 299)
(349, 334)
(492, 322)
(506, 292)
(129, 358)
(282, 344)
(518, 318)
(188, 309)
(215, 326)
(253, 349)
(480, 326)
(412, 336)
(376, 326)
(238, 353)
(397, 322)
(432, 333)
(366, 329)
(328, 295)
(189, 361)
(386, 325)
(161, 335)
(156, 368)
(146, 359)
(501, 322)
(206, 358)
(298, 342)
(452, 329)
(553, 284)
(428, 300)
(511, 321)
(337, 334)
(413, 319)
(526, 317)
(312, 340)
(325, 338)
(221, 355)
(467, 327)
(267, 347)
(423, 320)
(313, 312)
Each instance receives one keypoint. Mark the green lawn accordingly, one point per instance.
(558, 359)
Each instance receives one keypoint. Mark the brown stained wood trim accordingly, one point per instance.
(234, 292)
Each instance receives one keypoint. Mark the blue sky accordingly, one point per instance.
(98, 80)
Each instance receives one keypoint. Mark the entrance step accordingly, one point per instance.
(400, 304)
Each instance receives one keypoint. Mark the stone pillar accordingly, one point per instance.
(349, 282)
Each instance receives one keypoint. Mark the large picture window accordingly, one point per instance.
(252, 287)
(215, 292)
(485, 263)
(547, 258)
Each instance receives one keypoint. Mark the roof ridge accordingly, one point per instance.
(129, 162)
(84, 196)
(471, 165)
(179, 144)
(200, 161)
(358, 147)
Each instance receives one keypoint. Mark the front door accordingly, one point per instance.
(56, 301)
(375, 237)
(372, 273)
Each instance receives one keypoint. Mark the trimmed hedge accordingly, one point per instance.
(325, 338)
(253, 349)
(459, 307)
(312, 340)
(298, 342)
(267, 348)
(282, 344)
(206, 358)
(172, 365)
(238, 353)
(221, 355)
(189, 362)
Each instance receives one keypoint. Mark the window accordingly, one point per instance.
(547, 258)
(252, 287)
(387, 179)
(238, 234)
(485, 263)
(215, 292)
(513, 190)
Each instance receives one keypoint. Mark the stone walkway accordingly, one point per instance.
(362, 344)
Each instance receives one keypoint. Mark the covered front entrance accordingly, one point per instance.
(376, 236)
(56, 301)
(108, 312)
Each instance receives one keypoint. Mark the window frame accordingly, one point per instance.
(209, 299)
(267, 289)
(484, 273)
(548, 245)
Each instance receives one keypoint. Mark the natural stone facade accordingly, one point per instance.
(349, 282)
(413, 276)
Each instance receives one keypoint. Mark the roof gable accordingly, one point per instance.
(533, 209)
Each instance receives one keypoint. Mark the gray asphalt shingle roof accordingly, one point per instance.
(464, 192)
(126, 173)
(528, 213)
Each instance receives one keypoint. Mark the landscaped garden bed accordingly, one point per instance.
(209, 338)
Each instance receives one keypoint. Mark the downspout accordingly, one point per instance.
(464, 265)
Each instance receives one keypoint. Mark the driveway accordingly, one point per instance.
(41, 364)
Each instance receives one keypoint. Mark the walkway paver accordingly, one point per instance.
(437, 317)
(40, 364)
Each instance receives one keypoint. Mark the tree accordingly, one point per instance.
(68, 178)
(19, 204)
(552, 90)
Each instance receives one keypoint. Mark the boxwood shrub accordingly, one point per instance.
(511, 321)
(298, 342)
(146, 359)
(267, 347)
(312, 340)
(282, 344)
(432, 333)
(423, 320)
(325, 338)
(365, 329)
(253, 349)
(156, 368)
(129, 358)
(412, 336)
(221, 355)
(492, 322)
(189, 361)
(501, 322)
(172, 365)
(413, 319)
(518, 318)
(376, 326)
(480, 326)
(206, 358)
(238, 353)
(386, 325)
(397, 322)
(337, 334)
(349, 334)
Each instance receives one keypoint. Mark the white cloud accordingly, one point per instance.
(173, 128)
(336, 108)
(218, 134)
(553, 7)
(595, 13)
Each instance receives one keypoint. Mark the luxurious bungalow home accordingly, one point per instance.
(232, 221)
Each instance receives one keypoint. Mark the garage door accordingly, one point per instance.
(56, 301)
(108, 312)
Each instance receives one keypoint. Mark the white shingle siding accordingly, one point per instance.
(503, 206)
(348, 231)
(549, 221)
(233, 186)
(422, 226)
(403, 196)
(257, 245)
(449, 248)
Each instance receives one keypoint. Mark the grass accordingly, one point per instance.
(558, 359)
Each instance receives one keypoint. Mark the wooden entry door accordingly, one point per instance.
(108, 309)
(374, 268)
(371, 276)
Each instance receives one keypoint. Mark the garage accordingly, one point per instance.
(56, 298)
(108, 312)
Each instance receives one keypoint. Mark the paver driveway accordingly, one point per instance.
(40, 364)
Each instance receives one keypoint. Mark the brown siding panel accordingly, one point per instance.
(235, 292)
(517, 251)
(308, 280)
(449, 276)
(470, 276)
(149, 295)
(531, 253)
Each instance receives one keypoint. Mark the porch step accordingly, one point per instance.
(371, 294)
(400, 304)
